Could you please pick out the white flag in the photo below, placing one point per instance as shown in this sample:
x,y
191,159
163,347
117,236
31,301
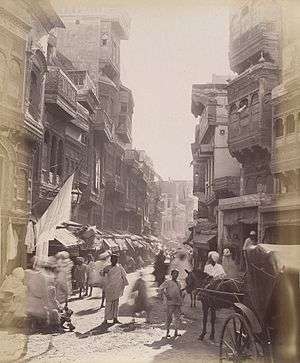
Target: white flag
x,y
58,211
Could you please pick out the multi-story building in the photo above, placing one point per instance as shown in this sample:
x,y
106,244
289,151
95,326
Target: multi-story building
x,y
177,204
68,145
92,41
254,55
280,220
216,173
25,28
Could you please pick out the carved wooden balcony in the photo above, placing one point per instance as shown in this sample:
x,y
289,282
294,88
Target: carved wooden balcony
x,y
87,92
103,125
227,186
250,111
60,93
123,129
263,37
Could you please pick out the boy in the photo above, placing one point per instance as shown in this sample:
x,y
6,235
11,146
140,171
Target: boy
x,y
172,290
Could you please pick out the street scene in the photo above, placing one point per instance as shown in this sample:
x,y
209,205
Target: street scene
x,y
149,181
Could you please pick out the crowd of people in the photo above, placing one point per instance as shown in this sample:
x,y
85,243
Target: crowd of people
x,y
40,294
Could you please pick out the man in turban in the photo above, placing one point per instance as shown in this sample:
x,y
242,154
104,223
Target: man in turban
x,y
213,268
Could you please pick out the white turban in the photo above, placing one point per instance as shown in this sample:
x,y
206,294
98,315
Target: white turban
x,y
214,256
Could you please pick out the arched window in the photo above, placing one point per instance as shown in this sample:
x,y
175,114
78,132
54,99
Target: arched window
x,y
34,97
278,127
243,103
53,155
254,98
15,81
290,124
232,109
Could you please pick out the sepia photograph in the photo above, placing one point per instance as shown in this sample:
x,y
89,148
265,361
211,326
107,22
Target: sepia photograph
x,y
150,181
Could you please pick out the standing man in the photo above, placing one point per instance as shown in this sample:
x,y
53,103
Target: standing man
x,y
172,291
115,281
251,241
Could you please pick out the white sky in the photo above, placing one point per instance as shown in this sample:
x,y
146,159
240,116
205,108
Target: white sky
x,y
169,49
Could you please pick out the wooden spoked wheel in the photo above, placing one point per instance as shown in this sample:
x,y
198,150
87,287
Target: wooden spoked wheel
x,y
237,342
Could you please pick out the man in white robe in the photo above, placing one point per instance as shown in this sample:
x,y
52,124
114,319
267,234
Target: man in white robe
x,y
114,284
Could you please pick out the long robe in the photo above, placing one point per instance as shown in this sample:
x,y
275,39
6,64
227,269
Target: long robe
x,y
114,284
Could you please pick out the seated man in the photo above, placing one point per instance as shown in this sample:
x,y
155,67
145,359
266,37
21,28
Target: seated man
x,y
213,268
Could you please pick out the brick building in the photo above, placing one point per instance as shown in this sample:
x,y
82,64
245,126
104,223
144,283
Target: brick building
x,y
25,26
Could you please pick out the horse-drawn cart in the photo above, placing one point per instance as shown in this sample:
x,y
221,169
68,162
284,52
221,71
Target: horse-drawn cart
x,y
266,327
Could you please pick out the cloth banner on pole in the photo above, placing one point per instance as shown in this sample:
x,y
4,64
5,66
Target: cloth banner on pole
x,y
12,242
58,211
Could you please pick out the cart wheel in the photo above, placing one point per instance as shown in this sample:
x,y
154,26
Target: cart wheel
x,y
237,342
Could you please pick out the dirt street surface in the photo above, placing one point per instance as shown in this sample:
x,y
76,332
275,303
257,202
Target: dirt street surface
x,y
139,342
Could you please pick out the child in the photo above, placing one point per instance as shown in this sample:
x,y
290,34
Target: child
x,y
141,301
173,292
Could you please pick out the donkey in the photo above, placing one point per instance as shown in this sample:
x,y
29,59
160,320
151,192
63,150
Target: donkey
x,y
227,292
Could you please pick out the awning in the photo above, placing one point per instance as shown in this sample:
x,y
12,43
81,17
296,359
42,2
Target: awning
x,y
66,238
202,240
111,244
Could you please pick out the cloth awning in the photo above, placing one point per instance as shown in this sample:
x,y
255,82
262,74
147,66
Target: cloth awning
x,y
202,240
66,238
111,244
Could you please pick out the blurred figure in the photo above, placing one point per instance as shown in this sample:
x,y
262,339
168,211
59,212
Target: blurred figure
x,y
160,268
115,281
80,275
63,276
182,264
100,264
14,290
141,302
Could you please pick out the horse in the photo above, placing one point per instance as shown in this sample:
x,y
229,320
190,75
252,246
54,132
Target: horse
x,y
222,294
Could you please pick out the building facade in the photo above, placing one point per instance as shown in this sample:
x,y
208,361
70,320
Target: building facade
x,y
280,219
255,56
216,173
25,28
176,205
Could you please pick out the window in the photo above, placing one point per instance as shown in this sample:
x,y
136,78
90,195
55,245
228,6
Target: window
x,y
77,22
243,103
278,127
45,156
53,155
254,98
290,124
232,109
34,97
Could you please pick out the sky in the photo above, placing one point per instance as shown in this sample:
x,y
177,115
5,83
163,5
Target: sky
x,y
170,48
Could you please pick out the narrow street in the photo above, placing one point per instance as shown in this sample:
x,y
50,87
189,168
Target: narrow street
x,y
140,342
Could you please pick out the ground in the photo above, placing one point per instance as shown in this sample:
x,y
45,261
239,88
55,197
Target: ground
x,y
139,342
